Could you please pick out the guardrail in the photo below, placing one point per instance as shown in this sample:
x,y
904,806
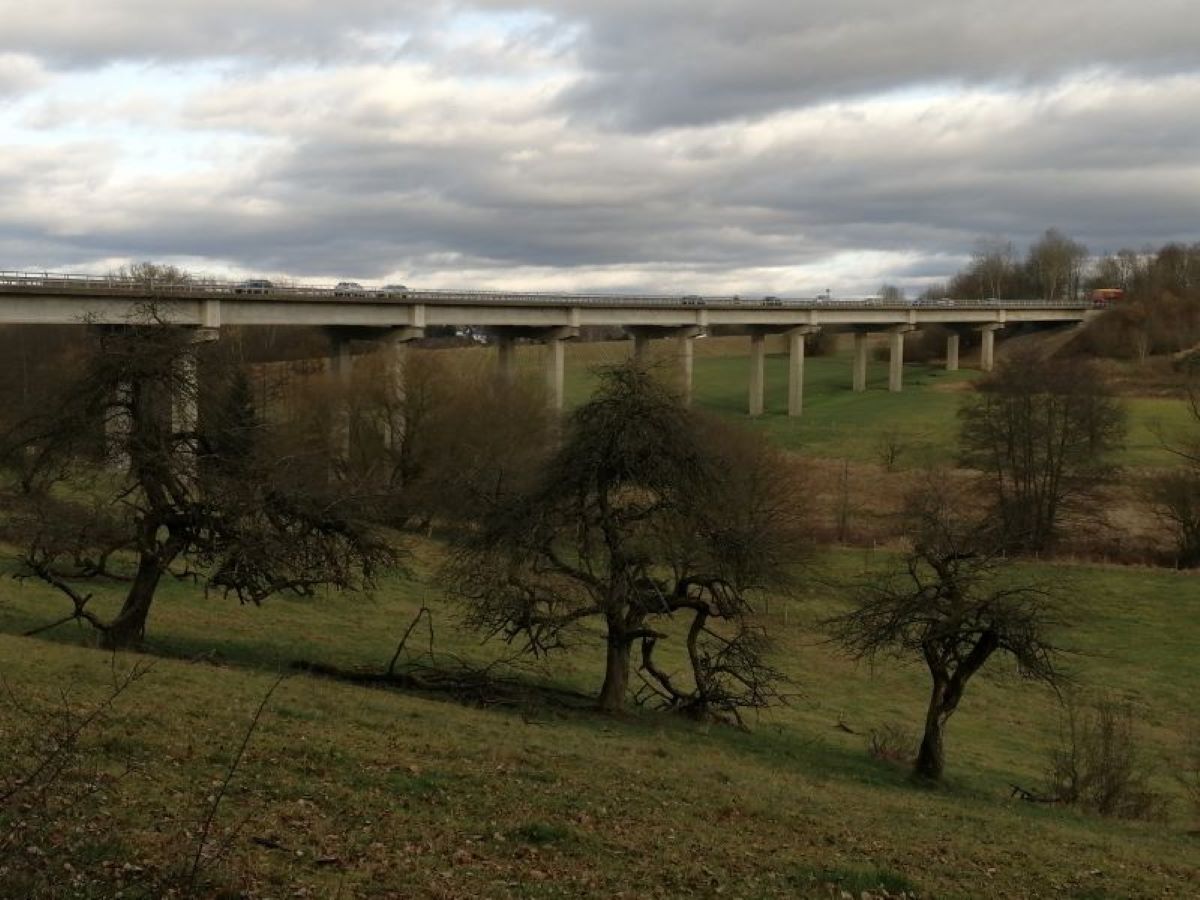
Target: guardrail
x,y
52,282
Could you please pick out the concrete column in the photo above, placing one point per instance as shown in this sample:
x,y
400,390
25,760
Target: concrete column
x,y
796,369
987,347
758,358
641,347
118,424
895,361
952,352
860,361
185,398
341,368
396,367
687,353
555,368
506,359
185,415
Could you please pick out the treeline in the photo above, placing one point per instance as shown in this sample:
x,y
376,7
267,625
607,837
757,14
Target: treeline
x,y
1160,313
1160,310
1053,268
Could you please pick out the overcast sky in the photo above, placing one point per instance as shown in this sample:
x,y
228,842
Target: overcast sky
x,y
758,146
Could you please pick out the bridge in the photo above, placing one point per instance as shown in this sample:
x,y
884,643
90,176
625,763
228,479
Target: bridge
x,y
391,317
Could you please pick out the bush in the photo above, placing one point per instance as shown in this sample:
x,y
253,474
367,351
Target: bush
x,y
823,343
1139,328
1175,497
892,742
1099,766
927,345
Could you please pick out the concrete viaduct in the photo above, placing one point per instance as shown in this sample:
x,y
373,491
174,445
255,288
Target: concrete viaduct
x,y
392,318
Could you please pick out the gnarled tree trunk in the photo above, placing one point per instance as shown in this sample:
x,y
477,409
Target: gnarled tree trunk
x,y
129,627
931,758
616,672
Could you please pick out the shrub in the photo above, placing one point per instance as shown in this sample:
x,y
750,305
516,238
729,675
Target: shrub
x,y
1099,765
1175,497
892,742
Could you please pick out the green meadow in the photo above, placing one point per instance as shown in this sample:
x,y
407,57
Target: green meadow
x,y
372,792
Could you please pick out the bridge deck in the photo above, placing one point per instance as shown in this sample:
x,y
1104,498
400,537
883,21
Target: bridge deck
x,y
32,298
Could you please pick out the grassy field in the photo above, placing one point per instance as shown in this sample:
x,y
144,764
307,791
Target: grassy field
x,y
838,423
349,791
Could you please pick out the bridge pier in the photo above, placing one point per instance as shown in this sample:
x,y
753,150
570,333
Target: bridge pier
x,y
641,347
118,425
395,346
556,358
896,357
506,358
341,372
952,352
685,335
758,359
687,354
185,395
796,367
860,361
393,343
987,346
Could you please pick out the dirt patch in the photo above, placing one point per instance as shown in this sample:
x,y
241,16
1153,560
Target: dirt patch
x,y
952,387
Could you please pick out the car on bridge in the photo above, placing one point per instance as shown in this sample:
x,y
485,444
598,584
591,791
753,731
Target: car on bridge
x,y
392,292
349,289
254,286
772,300
693,300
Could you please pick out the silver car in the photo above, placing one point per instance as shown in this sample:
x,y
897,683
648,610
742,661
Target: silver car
x,y
349,289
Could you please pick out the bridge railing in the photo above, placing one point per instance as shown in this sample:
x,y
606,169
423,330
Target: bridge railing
x,y
50,282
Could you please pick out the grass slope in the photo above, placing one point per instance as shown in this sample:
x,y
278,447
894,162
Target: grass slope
x,y
370,793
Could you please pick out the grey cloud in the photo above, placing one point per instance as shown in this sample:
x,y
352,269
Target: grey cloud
x,y
19,74
86,33
688,62
349,198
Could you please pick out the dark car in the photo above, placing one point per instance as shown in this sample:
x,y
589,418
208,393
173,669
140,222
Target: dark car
x,y
392,292
772,300
254,286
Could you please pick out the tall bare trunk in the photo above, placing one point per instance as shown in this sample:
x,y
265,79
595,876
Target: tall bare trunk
x,y
931,758
129,627
616,673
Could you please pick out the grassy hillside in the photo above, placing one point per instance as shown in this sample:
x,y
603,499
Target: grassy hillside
x,y
358,792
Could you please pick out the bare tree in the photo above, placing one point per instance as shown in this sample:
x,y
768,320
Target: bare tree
x,y
993,263
152,275
1042,431
954,602
644,513
453,437
166,495
1056,265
